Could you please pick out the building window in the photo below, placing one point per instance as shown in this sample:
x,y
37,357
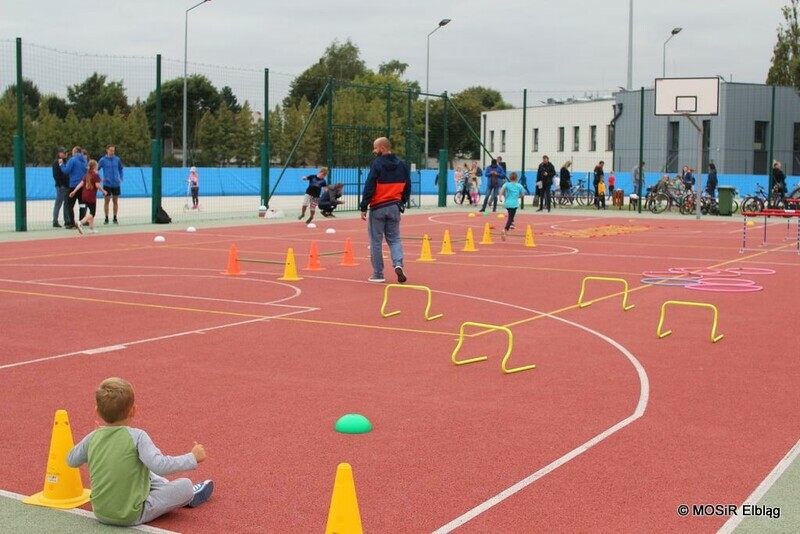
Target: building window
x,y
760,136
673,146
576,139
593,138
491,140
536,140
502,140
561,139
610,138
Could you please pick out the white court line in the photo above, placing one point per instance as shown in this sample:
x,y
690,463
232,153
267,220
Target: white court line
x,y
87,514
49,282
762,488
149,340
102,350
644,394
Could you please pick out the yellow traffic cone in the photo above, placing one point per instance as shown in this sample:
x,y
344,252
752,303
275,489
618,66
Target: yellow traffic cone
x,y
62,484
469,245
425,255
529,237
343,516
487,235
290,269
447,247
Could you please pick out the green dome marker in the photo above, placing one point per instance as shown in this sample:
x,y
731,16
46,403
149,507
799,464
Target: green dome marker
x,y
353,423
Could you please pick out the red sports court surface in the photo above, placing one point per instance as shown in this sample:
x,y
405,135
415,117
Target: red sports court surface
x,y
611,432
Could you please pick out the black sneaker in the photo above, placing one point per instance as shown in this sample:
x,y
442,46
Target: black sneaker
x,y
105,221
401,276
56,225
116,221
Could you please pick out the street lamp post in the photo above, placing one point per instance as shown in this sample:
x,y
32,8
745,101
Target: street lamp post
x,y
675,31
185,88
442,22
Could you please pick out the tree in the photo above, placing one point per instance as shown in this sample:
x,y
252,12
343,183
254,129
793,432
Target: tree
x,y
394,68
201,97
56,105
31,97
230,99
470,102
244,137
135,146
45,137
340,61
94,96
785,68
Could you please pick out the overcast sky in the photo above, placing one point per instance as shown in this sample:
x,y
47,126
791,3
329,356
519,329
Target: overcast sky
x,y
552,48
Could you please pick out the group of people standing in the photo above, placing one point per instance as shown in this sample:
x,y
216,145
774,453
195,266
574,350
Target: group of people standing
x,y
81,174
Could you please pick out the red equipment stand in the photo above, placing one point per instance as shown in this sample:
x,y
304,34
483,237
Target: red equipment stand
x,y
767,214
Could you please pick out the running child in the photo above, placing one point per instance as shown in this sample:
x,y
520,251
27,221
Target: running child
x,y
126,468
316,183
513,192
88,188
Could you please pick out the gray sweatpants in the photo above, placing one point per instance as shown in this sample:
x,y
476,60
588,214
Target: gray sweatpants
x,y
165,496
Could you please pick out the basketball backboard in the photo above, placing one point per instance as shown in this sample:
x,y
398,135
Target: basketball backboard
x,y
687,96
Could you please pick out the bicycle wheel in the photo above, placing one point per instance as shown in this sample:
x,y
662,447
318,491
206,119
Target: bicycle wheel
x,y
735,207
586,197
458,198
687,205
752,204
660,203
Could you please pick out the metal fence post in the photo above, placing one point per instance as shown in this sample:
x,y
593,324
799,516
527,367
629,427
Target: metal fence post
x,y
264,149
20,194
155,203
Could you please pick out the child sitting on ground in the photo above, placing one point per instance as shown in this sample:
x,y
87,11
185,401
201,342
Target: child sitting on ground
x,y
124,465
330,199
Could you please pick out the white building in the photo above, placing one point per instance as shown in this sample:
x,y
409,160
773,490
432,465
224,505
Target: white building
x,y
577,130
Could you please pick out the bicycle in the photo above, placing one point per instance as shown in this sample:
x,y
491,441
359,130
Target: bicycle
x,y
458,197
661,201
577,193
759,200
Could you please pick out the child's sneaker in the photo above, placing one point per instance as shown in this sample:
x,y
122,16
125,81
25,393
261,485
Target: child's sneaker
x,y
79,227
94,230
202,492
376,278
105,221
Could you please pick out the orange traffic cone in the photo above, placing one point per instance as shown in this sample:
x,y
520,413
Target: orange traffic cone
x,y
313,259
233,262
349,255
62,484
343,516
290,268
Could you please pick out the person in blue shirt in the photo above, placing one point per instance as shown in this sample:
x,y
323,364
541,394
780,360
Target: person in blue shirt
x,y
497,177
76,168
513,192
111,169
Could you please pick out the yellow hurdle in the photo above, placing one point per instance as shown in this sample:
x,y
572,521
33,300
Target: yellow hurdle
x,y
487,235
469,244
503,364
427,290
714,336
425,255
447,247
582,304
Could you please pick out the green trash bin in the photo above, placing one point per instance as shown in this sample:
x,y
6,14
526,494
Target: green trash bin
x,y
726,193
